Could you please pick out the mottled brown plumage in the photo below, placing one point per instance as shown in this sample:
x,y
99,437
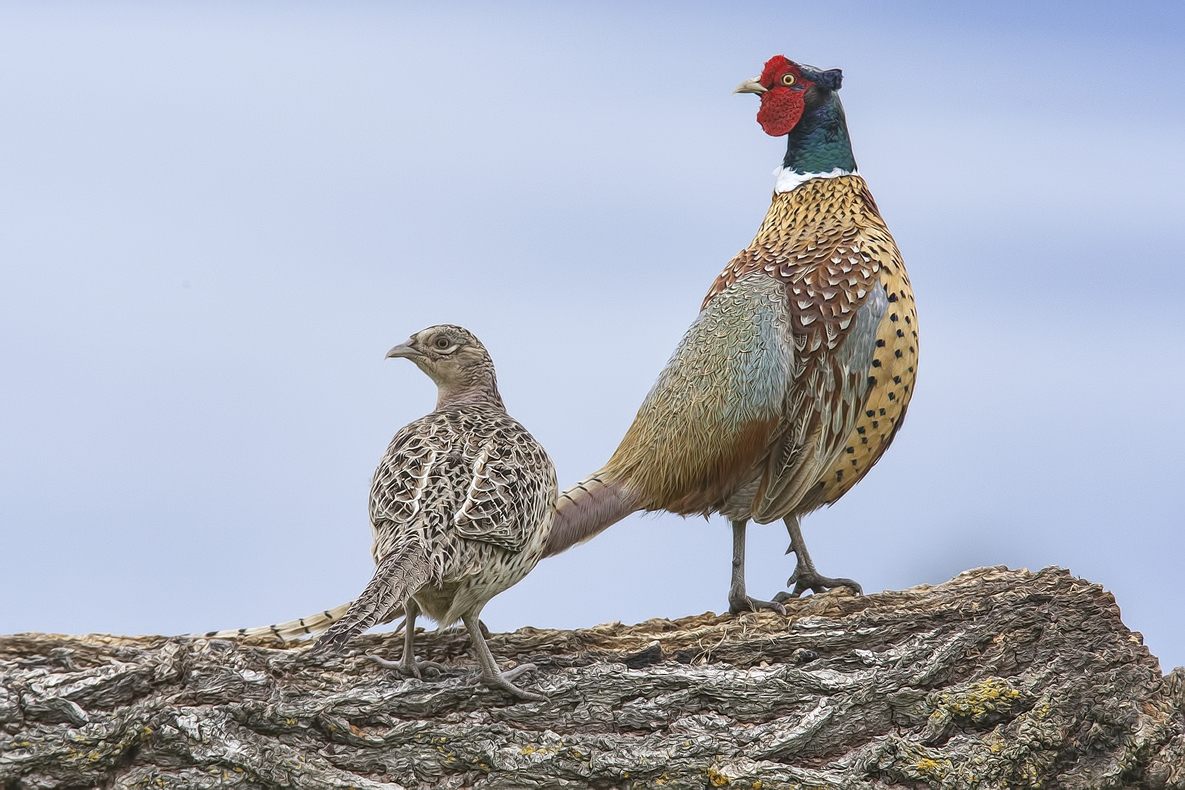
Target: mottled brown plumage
x,y
795,376
460,506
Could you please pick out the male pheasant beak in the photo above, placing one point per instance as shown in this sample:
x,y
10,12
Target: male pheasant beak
x,y
751,86
404,350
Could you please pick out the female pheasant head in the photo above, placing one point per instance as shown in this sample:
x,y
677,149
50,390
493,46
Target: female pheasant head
x,y
457,362
802,103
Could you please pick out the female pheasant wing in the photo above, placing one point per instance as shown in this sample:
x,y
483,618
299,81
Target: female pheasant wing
x,y
511,489
410,484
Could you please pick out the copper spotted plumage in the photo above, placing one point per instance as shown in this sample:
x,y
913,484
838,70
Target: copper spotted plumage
x,y
460,506
795,376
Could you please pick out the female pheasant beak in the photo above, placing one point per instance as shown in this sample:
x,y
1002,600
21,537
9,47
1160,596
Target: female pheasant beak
x,y
750,86
405,350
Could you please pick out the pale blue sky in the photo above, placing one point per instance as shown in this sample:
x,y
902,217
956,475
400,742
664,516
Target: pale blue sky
x,y
215,219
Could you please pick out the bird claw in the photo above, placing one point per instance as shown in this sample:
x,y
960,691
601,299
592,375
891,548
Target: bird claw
x,y
502,681
742,604
802,580
413,668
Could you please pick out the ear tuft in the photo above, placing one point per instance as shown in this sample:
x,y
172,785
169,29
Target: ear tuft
x,y
831,79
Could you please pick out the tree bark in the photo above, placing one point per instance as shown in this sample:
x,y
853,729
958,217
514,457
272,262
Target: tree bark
x,y
997,678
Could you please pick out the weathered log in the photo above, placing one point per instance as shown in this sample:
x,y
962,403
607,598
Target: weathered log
x,y
997,678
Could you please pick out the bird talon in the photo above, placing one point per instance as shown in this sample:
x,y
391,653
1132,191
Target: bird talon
x,y
501,682
412,668
521,669
811,580
746,604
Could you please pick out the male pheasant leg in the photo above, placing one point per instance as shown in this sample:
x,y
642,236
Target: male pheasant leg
x,y
407,665
738,601
490,673
805,577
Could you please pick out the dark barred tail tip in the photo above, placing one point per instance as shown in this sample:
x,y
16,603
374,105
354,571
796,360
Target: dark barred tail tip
x,y
240,632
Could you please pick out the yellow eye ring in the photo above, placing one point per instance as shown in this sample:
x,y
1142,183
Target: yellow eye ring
x,y
788,79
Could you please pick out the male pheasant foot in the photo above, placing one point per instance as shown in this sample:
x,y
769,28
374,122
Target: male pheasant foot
x,y
738,601
805,577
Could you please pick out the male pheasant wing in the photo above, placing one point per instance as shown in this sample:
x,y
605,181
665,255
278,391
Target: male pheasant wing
x,y
837,303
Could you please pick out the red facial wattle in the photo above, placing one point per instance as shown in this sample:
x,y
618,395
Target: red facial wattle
x,y
780,110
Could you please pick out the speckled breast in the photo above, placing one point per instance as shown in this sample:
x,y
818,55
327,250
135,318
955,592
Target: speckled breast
x,y
826,241
891,379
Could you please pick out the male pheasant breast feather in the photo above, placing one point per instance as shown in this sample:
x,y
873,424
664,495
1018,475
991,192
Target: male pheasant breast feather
x,y
826,242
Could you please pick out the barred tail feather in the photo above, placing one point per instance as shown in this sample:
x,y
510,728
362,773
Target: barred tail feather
x,y
299,628
586,509
402,573
293,629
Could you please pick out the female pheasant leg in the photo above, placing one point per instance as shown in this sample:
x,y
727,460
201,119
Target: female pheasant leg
x,y
805,577
490,673
407,664
738,601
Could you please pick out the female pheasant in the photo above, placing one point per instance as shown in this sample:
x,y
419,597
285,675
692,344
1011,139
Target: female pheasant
x,y
795,376
460,506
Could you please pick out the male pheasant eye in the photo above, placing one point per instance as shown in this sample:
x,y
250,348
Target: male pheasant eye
x,y
788,79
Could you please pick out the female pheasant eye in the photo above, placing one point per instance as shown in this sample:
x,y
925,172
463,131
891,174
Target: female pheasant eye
x,y
788,79
441,342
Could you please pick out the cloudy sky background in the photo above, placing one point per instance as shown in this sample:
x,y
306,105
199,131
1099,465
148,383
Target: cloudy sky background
x,y
215,219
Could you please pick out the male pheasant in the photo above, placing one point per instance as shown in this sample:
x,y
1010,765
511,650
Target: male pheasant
x,y
795,376
460,506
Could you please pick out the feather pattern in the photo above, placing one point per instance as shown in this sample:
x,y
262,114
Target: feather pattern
x,y
292,629
403,571
473,488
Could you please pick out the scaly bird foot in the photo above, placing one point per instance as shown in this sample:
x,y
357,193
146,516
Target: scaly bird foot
x,y
804,579
738,604
413,668
502,681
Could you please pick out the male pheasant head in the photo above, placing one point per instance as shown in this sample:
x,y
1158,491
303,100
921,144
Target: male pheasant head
x,y
802,103
456,361
786,88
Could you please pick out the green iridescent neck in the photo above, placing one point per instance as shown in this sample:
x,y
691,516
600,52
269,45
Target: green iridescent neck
x,y
819,143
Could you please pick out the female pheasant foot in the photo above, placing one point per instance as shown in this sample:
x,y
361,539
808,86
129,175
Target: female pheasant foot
x,y
412,668
805,577
738,601
408,666
490,674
